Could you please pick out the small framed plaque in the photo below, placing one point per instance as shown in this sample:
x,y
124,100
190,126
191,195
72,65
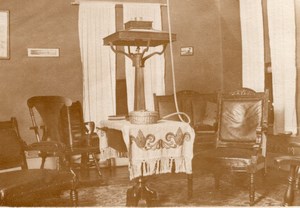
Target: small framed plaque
x,y
187,51
43,52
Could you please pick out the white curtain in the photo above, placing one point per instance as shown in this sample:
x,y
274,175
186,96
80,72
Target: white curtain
x,y
96,21
252,44
282,34
154,71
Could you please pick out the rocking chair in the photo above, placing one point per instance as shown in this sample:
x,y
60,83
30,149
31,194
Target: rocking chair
x,y
64,127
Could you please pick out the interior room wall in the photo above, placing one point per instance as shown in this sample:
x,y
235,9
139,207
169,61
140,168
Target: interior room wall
x,y
231,44
211,27
53,24
196,24
39,24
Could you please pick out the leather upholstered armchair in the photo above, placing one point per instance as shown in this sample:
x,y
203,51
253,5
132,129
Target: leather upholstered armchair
x,y
240,143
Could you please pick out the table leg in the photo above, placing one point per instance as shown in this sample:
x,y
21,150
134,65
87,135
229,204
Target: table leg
x,y
140,192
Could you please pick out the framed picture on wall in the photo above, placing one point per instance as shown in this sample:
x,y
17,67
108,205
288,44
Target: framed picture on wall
x,y
43,52
187,51
4,34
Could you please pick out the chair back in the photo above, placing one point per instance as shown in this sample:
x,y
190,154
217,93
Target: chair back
x,y
78,128
165,104
243,115
11,146
49,109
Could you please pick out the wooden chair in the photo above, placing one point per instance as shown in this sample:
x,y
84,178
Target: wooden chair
x,y
84,138
166,107
20,185
63,126
242,122
200,108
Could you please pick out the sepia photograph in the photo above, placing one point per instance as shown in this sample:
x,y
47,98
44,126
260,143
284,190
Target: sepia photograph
x,y
43,52
186,51
4,34
149,103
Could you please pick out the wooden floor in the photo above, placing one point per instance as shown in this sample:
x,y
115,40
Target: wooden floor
x,y
276,146
110,176
120,175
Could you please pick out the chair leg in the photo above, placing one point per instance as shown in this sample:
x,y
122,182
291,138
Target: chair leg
x,y
43,162
289,194
252,189
43,155
217,176
74,197
97,164
190,185
265,169
297,178
74,192
111,165
63,163
84,161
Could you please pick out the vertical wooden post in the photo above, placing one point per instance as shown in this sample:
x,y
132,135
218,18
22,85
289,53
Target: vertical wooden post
x,y
139,94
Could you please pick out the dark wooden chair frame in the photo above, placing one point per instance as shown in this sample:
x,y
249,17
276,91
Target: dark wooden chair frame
x,y
252,163
19,186
63,138
293,162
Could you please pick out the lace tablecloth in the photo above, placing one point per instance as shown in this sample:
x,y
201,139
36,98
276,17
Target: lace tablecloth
x,y
153,148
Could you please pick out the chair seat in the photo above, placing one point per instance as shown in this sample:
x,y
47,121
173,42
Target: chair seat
x,y
46,146
232,157
82,150
288,160
15,185
204,128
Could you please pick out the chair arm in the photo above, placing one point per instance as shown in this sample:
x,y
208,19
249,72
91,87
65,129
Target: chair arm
x,y
36,132
35,128
256,149
259,133
264,127
287,160
294,144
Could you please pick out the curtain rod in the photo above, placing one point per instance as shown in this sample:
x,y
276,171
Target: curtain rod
x,y
77,2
